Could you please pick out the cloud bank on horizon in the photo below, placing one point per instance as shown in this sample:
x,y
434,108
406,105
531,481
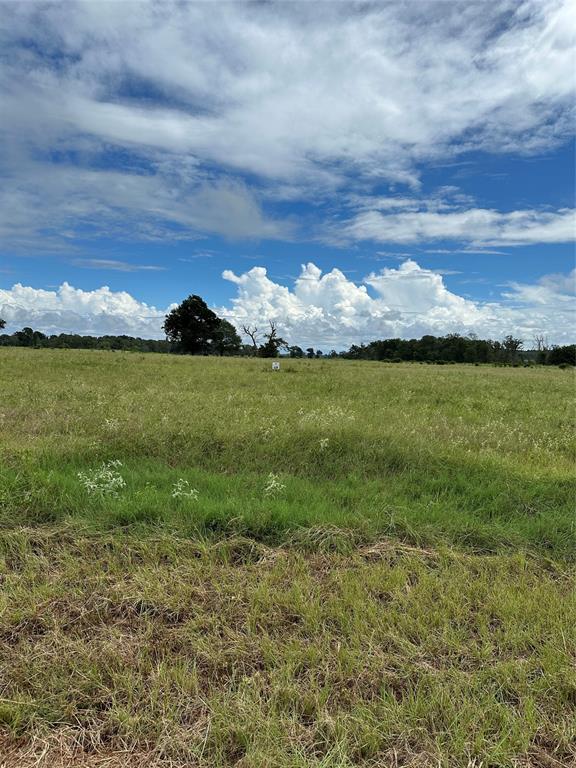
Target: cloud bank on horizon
x,y
130,126
327,310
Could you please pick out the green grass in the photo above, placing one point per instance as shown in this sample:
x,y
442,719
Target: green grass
x,y
477,456
407,598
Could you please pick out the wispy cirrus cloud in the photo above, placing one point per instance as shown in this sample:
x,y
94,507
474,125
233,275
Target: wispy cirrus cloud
x,y
116,266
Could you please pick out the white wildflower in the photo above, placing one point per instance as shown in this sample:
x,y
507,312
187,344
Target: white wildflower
x,y
332,415
273,485
266,433
105,480
181,490
111,425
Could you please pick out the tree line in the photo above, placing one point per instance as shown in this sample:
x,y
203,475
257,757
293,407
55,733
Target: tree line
x,y
454,348
193,328
28,337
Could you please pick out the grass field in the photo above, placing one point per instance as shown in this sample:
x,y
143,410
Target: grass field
x,y
207,563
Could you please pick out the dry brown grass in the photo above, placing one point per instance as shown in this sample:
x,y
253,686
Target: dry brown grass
x,y
120,652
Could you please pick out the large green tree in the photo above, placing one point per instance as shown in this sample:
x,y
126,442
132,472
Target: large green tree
x,y
226,340
196,330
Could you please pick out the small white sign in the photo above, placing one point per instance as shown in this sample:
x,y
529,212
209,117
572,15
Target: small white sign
x,y
275,366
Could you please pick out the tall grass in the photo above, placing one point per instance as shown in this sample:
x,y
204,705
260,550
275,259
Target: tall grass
x,y
480,457
207,564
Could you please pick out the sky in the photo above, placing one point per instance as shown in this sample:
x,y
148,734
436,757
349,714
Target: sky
x,y
351,171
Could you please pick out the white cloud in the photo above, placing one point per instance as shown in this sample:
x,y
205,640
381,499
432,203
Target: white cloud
x,y
326,310
364,83
332,311
476,226
116,266
185,99
51,205
72,310
553,291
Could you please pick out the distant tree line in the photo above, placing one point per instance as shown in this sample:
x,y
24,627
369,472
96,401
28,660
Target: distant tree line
x,y
28,337
454,348
193,328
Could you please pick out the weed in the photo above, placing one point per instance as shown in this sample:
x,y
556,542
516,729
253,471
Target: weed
x,y
182,490
273,485
104,480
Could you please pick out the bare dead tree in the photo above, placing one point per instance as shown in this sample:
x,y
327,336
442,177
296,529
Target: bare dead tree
x,y
273,330
541,342
273,342
542,347
273,337
252,334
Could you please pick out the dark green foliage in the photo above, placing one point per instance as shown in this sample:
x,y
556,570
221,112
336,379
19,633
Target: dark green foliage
x,y
459,349
27,337
207,334
76,341
562,355
511,347
192,326
273,343
441,350
195,329
226,340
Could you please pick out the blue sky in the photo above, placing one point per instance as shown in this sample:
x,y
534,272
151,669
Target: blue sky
x,y
351,171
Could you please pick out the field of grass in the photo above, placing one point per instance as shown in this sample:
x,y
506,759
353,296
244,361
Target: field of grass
x,y
338,564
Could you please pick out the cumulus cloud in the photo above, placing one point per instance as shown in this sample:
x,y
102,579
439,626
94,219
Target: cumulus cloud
x,y
323,310
72,310
330,310
147,119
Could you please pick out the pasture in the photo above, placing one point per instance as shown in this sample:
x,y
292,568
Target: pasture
x,y
208,563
